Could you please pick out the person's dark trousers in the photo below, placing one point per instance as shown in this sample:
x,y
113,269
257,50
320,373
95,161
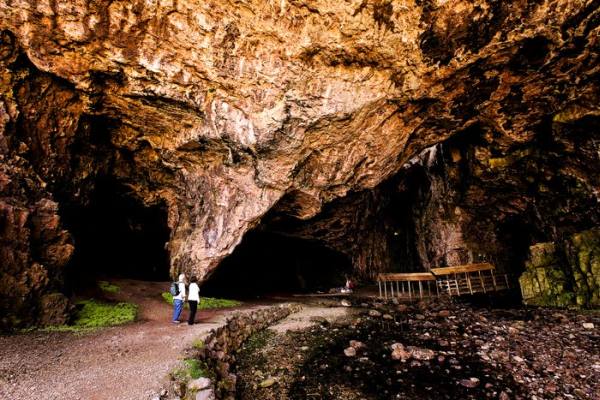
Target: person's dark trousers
x,y
193,307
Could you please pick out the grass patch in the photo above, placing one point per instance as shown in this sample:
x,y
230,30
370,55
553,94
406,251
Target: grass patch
x,y
192,369
198,344
92,315
205,302
211,302
108,287
168,298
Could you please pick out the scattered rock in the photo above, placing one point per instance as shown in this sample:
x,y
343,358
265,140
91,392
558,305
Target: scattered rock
x,y
350,352
470,383
374,313
356,344
267,383
420,353
199,384
402,308
346,303
444,313
399,352
588,325
206,394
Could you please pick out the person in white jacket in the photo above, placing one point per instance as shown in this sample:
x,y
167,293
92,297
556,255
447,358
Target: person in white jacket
x,y
193,299
178,300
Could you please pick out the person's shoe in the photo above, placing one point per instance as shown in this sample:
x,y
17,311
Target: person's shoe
x,y
176,322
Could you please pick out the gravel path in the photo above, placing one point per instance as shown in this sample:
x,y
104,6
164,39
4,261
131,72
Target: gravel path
x,y
125,362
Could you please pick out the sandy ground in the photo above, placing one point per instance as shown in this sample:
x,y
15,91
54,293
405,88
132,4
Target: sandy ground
x,y
125,362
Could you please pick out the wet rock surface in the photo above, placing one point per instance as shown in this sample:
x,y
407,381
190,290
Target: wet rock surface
x,y
456,352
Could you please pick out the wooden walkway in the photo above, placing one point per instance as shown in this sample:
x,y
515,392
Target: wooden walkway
x,y
453,281
415,284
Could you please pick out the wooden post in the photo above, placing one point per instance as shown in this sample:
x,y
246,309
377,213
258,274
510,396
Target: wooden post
x,y
409,291
482,282
420,290
392,288
437,289
506,278
494,280
469,282
397,289
385,288
457,286
379,284
402,285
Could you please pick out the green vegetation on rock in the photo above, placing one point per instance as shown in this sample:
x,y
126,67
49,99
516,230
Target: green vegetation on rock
x,y
551,279
92,314
583,251
108,287
191,369
212,302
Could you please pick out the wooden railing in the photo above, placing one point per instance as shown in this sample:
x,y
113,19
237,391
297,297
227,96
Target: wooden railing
x,y
470,279
406,284
454,281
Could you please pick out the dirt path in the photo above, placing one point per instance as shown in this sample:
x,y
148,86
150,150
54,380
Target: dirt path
x,y
124,362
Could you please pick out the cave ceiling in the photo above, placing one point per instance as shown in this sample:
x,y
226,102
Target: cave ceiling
x,y
224,111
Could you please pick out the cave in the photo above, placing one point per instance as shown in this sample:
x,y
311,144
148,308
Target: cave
x,y
116,236
268,264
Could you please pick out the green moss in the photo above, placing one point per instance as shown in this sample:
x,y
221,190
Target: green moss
x,y
211,302
92,315
198,344
553,280
108,287
167,297
583,251
205,302
503,162
192,369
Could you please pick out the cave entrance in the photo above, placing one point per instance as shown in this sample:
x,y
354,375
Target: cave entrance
x,y
267,263
117,236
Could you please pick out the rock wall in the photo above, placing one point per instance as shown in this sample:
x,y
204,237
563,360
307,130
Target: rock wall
x,y
222,110
219,350
565,273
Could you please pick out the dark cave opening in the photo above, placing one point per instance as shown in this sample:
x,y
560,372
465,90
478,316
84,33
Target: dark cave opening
x,y
267,263
116,236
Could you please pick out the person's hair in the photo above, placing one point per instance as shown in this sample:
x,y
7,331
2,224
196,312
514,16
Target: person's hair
x,y
193,279
181,277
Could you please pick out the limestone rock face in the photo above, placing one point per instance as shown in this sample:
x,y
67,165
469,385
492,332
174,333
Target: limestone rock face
x,y
224,111
547,282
